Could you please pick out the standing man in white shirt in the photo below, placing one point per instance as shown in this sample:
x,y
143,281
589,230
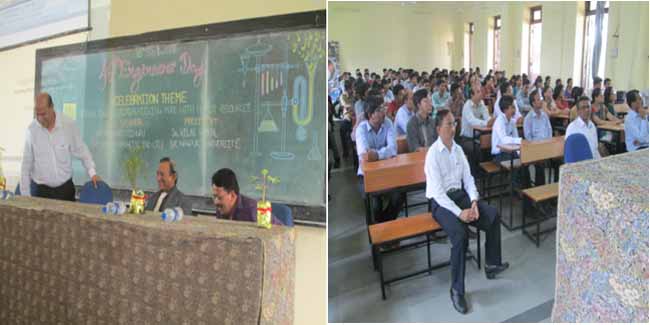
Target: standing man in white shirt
x,y
454,204
504,131
50,142
583,125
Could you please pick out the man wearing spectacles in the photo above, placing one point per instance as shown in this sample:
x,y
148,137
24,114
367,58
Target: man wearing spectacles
x,y
376,140
454,204
168,195
584,126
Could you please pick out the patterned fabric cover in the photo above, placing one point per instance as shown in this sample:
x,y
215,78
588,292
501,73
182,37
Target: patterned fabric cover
x,y
65,263
602,246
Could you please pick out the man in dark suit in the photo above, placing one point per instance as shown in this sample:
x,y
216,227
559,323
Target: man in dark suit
x,y
168,195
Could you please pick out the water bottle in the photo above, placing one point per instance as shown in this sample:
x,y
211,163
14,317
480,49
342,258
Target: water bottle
x,y
172,215
116,208
6,195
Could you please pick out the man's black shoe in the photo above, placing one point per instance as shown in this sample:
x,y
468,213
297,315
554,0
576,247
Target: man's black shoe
x,y
458,301
492,270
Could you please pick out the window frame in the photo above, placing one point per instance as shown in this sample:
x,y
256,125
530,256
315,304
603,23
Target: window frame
x,y
533,21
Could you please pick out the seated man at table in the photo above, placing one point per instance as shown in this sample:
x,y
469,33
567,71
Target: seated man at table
x,y
504,132
636,123
506,89
522,97
420,130
230,204
454,204
584,126
404,114
474,114
168,195
441,96
537,126
376,140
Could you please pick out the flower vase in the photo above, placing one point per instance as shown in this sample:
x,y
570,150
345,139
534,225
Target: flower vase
x,y
137,202
264,214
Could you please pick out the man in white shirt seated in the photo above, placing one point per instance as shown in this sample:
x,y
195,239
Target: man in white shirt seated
x,y
506,89
584,126
404,114
505,132
454,204
474,114
50,142
537,126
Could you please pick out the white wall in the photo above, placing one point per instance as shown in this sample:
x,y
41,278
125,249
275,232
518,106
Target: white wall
x,y
392,35
377,35
17,87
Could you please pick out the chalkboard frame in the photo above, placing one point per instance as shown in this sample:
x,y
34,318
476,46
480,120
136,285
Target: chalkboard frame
x,y
306,215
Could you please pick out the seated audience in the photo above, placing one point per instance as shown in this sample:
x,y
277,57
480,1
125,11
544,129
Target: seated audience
x,y
636,123
583,125
421,131
376,140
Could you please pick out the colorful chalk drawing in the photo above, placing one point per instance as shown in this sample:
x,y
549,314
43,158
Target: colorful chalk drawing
x,y
314,152
268,78
310,46
299,104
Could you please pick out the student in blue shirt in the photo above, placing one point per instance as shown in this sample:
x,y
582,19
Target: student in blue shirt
x,y
376,140
636,123
537,126
404,114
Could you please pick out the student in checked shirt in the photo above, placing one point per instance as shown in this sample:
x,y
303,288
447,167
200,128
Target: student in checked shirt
x,y
454,204
376,140
50,142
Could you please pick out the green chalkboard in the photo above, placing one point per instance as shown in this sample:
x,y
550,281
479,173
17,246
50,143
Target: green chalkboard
x,y
243,100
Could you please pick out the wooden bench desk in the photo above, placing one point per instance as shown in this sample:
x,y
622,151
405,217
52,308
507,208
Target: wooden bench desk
x,y
618,129
530,152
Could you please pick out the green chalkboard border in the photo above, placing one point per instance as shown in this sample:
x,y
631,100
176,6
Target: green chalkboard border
x,y
305,215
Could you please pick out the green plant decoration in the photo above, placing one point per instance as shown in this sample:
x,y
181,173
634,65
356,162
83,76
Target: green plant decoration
x,y
265,181
133,165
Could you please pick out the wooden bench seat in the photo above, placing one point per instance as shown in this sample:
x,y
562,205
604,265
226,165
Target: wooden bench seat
x,y
490,167
538,195
542,193
515,164
422,224
403,228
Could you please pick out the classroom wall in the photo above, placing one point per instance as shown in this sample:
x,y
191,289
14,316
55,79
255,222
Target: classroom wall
x,y
17,87
135,17
356,24
629,68
378,35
